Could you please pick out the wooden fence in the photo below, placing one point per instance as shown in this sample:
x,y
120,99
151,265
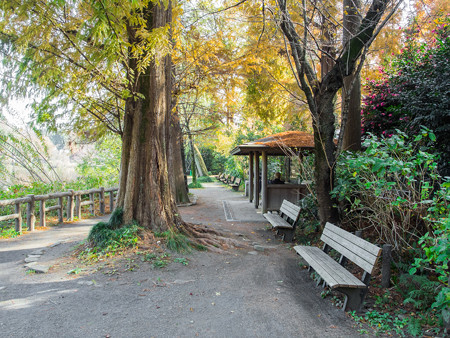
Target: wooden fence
x,y
74,202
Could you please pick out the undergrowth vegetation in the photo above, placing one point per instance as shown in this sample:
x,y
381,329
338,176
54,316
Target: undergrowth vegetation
x,y
112,237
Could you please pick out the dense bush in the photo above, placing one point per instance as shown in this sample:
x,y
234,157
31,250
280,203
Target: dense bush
x,y
389,187
394,189
414,91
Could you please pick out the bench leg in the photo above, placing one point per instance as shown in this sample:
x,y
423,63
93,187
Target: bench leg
x,y
288,234
354,298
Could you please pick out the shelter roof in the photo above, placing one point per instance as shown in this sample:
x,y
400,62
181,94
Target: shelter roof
x,y
278,144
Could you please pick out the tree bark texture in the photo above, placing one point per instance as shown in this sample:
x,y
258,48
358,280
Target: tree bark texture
x,y
192,154
176,175
352,103
145,193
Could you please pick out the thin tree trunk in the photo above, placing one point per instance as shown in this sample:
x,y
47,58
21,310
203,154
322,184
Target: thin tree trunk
x,y
324,166
176,162
351,100
201,166
192,151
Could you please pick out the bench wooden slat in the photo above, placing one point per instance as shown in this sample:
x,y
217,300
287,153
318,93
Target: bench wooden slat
x,y
334,274
277,221
237,182
342,244
290,209
364,259
355,249
372,248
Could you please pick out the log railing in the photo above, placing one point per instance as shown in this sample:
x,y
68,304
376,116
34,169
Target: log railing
x,y
74,203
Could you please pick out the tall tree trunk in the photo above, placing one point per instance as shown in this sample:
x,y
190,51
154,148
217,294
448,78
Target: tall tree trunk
x,y
324,158
176,171
144,191
352,102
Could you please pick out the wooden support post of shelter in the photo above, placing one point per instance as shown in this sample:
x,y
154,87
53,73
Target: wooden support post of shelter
x,y
264,181
280,144
256,180
250,176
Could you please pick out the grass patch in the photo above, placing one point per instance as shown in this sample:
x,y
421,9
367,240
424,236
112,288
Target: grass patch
x,y
195,186
176,241
109,238
9,232
204,179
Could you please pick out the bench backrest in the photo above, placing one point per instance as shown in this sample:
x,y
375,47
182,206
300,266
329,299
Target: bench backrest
x,y
358,250
231,180
290,210
237,181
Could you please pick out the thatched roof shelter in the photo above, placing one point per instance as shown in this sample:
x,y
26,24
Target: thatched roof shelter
x,y
281,144
276,144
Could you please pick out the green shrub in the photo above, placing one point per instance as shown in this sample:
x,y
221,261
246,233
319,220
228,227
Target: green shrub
x,y
110,236
175,241
204,179
193,185
418,291
389,186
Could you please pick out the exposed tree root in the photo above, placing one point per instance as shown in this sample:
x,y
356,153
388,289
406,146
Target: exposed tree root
x,y
212,239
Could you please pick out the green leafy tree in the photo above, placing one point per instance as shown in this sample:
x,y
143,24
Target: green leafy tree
x,y
414,91
109,62
320,91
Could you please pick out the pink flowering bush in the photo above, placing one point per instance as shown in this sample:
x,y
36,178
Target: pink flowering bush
x,y
414,92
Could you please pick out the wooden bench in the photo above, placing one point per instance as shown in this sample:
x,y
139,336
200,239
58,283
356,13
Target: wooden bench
x,y
235,185
224,178
333,273
285,221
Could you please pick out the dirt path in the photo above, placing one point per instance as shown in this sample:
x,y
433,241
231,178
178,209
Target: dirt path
x,y
245,293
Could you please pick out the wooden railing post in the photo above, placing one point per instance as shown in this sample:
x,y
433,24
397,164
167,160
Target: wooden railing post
x,y
18,220
102,200
31,218
60,210
111,201
92,206
78,206
42,221
70,205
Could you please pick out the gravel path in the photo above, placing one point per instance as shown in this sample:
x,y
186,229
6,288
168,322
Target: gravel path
x,y
243,293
